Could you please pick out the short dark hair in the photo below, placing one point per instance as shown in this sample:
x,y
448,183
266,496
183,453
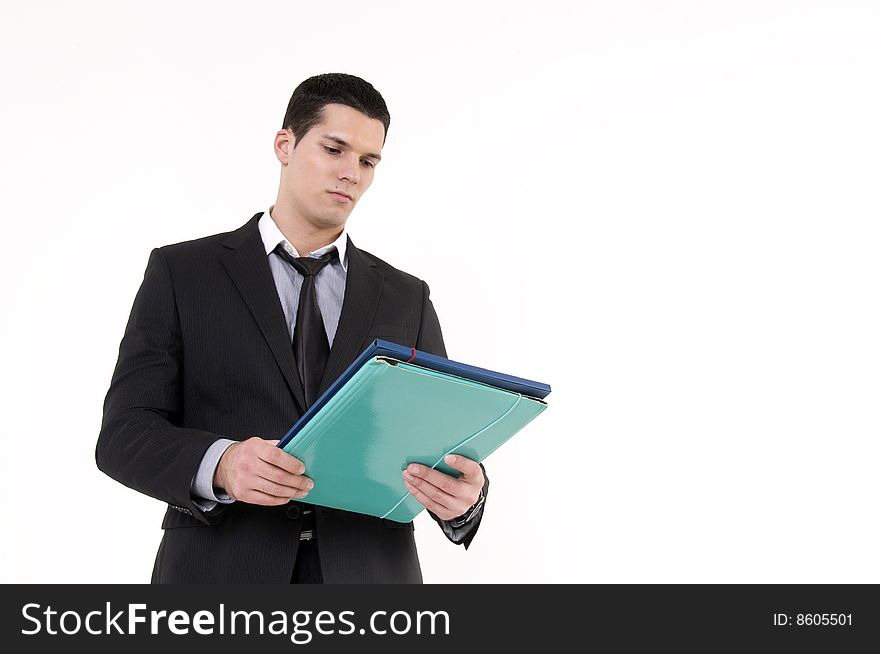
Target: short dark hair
x,y
307,103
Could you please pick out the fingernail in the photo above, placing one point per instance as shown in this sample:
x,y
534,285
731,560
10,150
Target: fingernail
x,y
302,469
310,483
449,458
413,470
406,475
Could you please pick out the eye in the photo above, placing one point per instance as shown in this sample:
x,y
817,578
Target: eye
x,y
331,150
368,163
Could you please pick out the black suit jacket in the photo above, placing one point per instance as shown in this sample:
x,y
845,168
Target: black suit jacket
x,y
206,354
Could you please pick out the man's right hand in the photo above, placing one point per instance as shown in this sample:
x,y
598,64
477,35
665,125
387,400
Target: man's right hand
x,y
257,472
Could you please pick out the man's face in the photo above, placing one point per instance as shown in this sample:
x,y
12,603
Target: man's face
x,y
335,158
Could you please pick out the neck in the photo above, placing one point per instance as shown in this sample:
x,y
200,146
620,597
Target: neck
x,y
302,235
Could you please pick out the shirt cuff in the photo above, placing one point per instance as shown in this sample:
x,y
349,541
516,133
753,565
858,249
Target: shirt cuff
x,y
202,488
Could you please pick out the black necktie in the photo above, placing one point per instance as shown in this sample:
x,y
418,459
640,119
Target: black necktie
x,y
310,346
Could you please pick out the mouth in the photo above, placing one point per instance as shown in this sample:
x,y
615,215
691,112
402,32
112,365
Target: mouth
x,y
341,197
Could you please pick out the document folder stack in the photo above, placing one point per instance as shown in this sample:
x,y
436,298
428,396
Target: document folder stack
x,y
395,406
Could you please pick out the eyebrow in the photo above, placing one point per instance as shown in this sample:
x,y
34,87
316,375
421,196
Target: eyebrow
x,y
346,144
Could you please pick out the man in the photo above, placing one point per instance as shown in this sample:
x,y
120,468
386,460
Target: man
x,y
233,336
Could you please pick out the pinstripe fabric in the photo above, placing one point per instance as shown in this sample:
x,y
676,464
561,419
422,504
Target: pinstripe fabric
x,y
206,354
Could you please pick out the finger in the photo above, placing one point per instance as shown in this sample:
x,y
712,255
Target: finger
x,y
468,467
441,511
282,459
252,496
279,490
447,483
283,477
437,495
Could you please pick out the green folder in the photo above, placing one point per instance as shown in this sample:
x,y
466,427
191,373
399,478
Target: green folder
x,y
390,413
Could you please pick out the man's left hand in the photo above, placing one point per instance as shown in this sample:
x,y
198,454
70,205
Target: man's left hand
x,y
444,495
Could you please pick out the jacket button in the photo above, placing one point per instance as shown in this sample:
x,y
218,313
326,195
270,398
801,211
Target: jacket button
x,y
293,512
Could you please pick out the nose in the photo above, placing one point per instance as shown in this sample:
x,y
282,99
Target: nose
x,y
350,172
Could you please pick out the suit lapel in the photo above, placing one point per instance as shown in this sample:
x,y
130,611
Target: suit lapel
x,y
363,287
246,261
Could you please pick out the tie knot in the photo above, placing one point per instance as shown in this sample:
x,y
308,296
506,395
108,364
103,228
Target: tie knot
x,y
306,266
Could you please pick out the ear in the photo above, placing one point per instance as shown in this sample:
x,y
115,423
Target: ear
x,y
284,145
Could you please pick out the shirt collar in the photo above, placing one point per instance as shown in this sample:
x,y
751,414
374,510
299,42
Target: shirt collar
x,y
272,236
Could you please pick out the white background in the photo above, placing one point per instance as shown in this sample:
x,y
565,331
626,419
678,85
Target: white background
x,y
667,211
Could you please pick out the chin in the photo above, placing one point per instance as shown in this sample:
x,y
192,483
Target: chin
x,y
336,221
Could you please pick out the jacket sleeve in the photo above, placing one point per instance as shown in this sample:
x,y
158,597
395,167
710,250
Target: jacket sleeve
x,y
431,340
141,444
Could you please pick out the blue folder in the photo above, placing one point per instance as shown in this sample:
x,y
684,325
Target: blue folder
x,y
394,406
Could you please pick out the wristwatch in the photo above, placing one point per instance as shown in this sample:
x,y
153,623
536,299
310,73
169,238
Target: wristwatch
x,y
471,512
